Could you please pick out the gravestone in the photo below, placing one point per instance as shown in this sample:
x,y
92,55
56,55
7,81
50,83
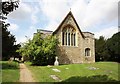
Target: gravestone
x,y
92,68
55,77
56,70
56,63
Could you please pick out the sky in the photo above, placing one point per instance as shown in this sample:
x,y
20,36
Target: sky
x,y
97,16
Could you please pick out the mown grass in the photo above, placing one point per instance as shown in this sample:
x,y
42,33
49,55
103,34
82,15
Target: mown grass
x,y
10,71
106,72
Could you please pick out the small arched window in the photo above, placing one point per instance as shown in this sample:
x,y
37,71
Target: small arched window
x,y
87,52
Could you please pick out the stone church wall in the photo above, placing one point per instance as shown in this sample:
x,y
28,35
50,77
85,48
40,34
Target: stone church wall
x,y
89,43
76,54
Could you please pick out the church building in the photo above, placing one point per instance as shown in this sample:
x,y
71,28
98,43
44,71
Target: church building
x,y
74,45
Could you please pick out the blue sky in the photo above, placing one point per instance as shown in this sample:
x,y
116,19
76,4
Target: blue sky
x,y
97,16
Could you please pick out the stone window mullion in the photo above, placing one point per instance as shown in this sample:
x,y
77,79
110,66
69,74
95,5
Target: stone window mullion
x,y
67,36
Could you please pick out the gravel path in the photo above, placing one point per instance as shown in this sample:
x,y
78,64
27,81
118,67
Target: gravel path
x,y
25,74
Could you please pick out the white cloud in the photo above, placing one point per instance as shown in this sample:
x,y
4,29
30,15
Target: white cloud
x,y
79,10
52,26
30,32
25,11
34,18
86,14
22,12
100,11
107,32
26,35
55,11
13,27
21,40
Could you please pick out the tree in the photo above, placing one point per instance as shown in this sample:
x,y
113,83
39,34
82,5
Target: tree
x,y
113,46
9,6
8,40
108,50
40,51
101,53
49,47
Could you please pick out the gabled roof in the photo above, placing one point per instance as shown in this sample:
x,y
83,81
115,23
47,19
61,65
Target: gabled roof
x,y
70,13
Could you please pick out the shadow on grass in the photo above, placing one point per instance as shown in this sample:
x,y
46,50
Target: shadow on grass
x,y
95,78
11,65
46,64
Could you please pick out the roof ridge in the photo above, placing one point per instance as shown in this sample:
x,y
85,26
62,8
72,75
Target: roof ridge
x,y
44,30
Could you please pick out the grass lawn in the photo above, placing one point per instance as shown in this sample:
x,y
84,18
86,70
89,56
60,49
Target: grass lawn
x,y
105,71
10,71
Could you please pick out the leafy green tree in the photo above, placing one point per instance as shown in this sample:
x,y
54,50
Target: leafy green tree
x,y
49,48
41,51
24,49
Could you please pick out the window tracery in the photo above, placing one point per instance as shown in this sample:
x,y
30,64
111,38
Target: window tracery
x,y
69,36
